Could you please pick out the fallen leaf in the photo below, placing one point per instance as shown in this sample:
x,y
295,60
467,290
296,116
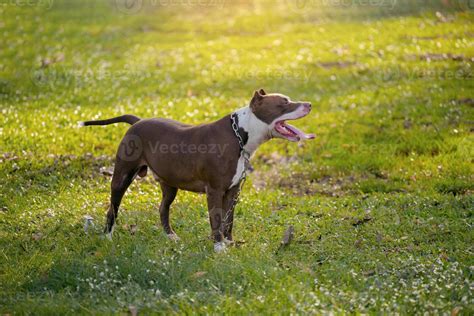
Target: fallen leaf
x,y
443,256
59,58
287,236
455,311
441,17
133,229
362,221
199,274
107,171
133,310
37,236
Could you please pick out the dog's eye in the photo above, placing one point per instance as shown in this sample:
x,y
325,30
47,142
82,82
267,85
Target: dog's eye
x,y
286,101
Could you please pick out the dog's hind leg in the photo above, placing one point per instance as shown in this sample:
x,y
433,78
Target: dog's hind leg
x,y
169,194
124,173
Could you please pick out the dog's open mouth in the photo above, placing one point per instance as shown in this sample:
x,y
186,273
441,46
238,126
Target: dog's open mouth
x,y
290,132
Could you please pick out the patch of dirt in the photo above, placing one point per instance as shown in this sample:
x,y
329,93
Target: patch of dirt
x,y
426,38
310,214
280,176
438,36
336,64
89,157
439,57
276,159
466,101
361,221
260,179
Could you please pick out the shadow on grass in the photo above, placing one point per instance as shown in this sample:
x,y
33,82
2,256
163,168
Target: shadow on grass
x,y
157,273
25,176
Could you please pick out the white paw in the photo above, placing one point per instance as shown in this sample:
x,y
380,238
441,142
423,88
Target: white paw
x,y
173,237
220,247
109,235
228,242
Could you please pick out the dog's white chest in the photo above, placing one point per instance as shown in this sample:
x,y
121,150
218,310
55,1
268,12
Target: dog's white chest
x,y
257,132
238,171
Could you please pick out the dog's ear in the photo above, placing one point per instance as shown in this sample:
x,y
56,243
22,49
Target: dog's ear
x,y
262,92
256,99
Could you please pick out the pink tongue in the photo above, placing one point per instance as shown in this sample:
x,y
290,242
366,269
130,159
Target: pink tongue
x,y
299,133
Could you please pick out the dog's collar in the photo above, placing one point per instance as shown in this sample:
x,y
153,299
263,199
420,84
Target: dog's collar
x,y
235,127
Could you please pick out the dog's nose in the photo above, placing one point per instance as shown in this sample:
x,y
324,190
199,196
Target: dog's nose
x,y
308,105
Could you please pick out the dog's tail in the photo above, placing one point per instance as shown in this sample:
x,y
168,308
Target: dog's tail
x,y
130,119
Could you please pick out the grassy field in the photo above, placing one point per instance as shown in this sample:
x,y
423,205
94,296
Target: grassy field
x,y
381,202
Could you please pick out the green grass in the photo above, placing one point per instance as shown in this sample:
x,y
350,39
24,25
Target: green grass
x,y
381,201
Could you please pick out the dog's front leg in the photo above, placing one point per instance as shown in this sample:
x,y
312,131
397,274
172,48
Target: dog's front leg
x,y
228,205
214,205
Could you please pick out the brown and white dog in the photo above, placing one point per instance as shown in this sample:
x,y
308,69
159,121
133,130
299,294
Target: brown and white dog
x,y
206,158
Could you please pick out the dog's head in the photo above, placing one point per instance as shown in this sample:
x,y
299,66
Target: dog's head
x,y
275,109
